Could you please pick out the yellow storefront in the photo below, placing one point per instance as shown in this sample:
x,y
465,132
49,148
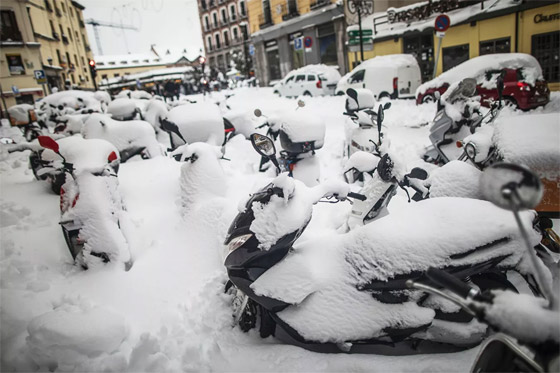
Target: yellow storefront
x,y
526,28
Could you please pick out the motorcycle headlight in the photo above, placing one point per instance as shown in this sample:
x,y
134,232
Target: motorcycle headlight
x,y
471,150
237,242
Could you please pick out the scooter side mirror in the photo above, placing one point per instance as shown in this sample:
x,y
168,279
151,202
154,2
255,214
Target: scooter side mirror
x,y
301,103
258,113
511,187
468,87
171,127
48,143
418,173
387,105
263,145
437,95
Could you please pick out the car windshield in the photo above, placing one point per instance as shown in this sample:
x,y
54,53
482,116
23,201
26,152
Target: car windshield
x,y
322,78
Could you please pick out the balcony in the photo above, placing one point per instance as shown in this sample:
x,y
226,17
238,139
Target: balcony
x,y
55,35
57,11
82,25
265,20
289,10
318,4
48,6
65,39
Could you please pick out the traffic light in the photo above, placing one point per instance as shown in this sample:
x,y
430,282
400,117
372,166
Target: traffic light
x,y
92,69
202,62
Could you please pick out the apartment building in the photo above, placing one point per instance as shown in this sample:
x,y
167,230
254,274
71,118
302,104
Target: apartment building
x,y
225,31
276,24
47,35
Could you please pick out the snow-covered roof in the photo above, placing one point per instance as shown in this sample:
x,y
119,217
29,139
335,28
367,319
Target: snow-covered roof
x,y
456,16
395,60
162,56
475,68
151,75
329,72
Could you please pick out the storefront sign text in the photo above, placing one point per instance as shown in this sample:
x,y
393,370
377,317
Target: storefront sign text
x,y
546,18
422,12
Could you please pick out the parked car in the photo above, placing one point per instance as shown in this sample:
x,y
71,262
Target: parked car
x,y
310,80
524,85
392,76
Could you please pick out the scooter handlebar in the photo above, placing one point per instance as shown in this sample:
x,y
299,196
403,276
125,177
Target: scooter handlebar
x,y
452,283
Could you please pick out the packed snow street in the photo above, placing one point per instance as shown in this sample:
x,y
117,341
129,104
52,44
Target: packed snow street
x,y
163,307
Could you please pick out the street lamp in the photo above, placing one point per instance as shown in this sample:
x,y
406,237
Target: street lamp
x,y
364,7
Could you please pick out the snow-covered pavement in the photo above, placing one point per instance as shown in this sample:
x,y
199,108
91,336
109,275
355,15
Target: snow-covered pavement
x,y
169,312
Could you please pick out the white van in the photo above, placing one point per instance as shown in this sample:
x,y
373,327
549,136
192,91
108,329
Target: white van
x,y
392,76
310,80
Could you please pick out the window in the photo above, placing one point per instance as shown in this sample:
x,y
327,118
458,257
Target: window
x,y
244,32
25,99
10,30
59,58
206,23
311,78
72,13
48,6
495,46
235,33
15,64
116,75
83,61
357,77
226,38
327,44
77,36
224,15
300,78
218,44
203,4
209,43
63,7
104,76
453,56
290,79
546,49
242,8
421,47
215,19
76,59
232,12
69,34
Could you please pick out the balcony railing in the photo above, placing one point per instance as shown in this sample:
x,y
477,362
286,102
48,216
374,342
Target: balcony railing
x,y
289,10
318,4
55,35
265,20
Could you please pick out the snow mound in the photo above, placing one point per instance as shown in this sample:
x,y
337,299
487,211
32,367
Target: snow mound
x,y
243,121
455,179
84,154
155,112
532,140
121,108
123,134
20,112
73,333
476,67
72,99
302,126
200,122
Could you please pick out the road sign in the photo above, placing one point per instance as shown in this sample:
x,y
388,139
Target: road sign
x,y
356,33
356,41
298,43
442,23
308,42
40,76
251,49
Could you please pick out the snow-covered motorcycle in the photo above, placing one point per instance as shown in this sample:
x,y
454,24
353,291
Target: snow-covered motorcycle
x,y
90,204
347,292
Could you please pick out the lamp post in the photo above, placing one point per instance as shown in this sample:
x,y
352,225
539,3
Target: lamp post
x,y
364,7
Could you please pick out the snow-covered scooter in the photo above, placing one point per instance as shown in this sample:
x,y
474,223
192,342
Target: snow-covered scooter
x,y
90,204
527,328
348,293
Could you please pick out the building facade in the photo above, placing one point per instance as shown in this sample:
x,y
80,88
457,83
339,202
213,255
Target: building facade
x,y
477,28
47,35
275,26
225,32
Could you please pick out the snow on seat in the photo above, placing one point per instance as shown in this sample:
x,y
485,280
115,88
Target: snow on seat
x,y
199,122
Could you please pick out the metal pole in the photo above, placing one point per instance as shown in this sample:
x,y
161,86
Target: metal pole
x,y
4,102
360,27
440,37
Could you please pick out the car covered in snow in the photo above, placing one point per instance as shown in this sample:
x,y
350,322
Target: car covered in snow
x,y
310,80
524,86
391,76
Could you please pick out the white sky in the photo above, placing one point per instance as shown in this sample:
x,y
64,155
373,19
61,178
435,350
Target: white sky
x,y
166,23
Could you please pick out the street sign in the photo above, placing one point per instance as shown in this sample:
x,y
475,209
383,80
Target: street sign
x,y
308,42
40,76
15,89
298,43
442,23
251,49
356,33
356,41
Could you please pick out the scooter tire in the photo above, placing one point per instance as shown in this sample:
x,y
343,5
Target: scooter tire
x,y
267,324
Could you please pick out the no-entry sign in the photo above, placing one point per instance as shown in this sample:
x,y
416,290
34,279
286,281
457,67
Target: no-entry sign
x,y
442,23
308,42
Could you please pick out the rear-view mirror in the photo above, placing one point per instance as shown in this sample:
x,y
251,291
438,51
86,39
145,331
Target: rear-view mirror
x,y
48,143
171,127
263,145
301,103
468,87
258,113
511,186
437,95
418,173
387,105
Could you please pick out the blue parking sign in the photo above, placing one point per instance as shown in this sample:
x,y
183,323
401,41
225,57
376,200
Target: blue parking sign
x,y
298,43
251,49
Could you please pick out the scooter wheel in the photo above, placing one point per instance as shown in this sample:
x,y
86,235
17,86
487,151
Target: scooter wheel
x,y
267,323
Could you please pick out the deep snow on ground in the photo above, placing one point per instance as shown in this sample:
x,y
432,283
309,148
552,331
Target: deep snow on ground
x,y
169,312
